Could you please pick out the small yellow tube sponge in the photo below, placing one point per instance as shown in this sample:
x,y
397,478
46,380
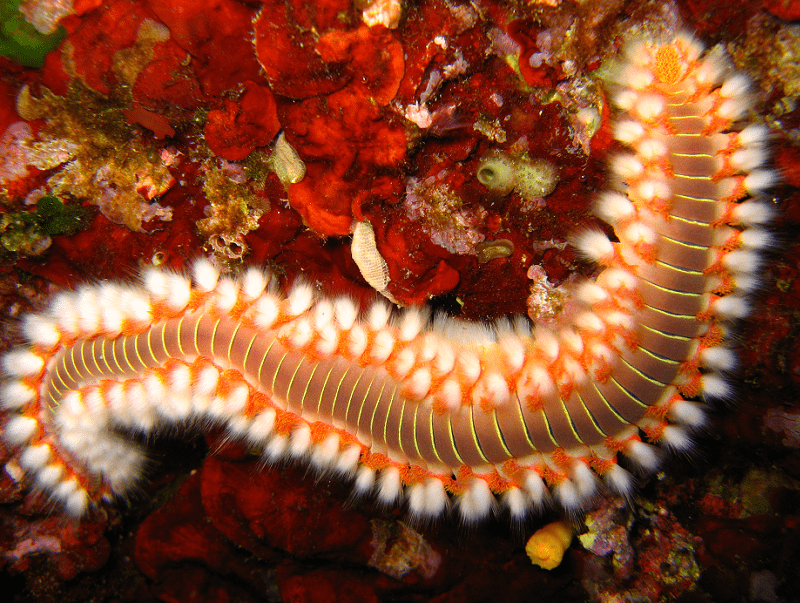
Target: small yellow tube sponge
x,y
547,546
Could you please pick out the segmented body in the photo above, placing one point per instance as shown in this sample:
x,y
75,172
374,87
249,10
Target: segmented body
x,y
421,412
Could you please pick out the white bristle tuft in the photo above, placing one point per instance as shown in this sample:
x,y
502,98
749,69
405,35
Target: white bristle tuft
x,y
735,86
34,458
389,486
180,292
650,106
644,455
300,441
754,134
742,261
205,275
323,314
88,310
365,480
733,109
300,299
718,358
731,307
594,246
276,448
687,413
226,293
516,502
346,312
324,454
254,282
41,331
535,486
64,312
752,213
156,282
585,480
417,385
266,310
715,387
711,70
15,395
77,503
568,496
49,476
619,481
347,461
476,502
379,315
676,438
759,181
626,167
628,131
22,363
625,99
591,294
113,313
748,158
411,324
262,427
614,208
382,347
427,499
756,239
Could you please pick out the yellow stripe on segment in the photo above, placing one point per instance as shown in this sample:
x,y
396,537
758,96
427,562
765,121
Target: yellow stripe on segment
x,y
263,360
291,381
213,336
679,268
631,395
667,335
352,393
608,404
474,433
378,398
136,349
230,343
644,376
569,420
386,418
500,434
589,414
66,368
249,349
693,198
336,393
322,391
453,441
433,439
375,410
122,346
72,360
687,294
178,332
363,400
686,244
550,433
522,421
670,314
305,390
278,368
104,356
692,155
659,357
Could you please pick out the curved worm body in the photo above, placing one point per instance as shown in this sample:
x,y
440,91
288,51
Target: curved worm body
x,y
441,412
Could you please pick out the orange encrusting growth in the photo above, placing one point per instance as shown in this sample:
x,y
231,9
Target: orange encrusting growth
x,y
428,413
